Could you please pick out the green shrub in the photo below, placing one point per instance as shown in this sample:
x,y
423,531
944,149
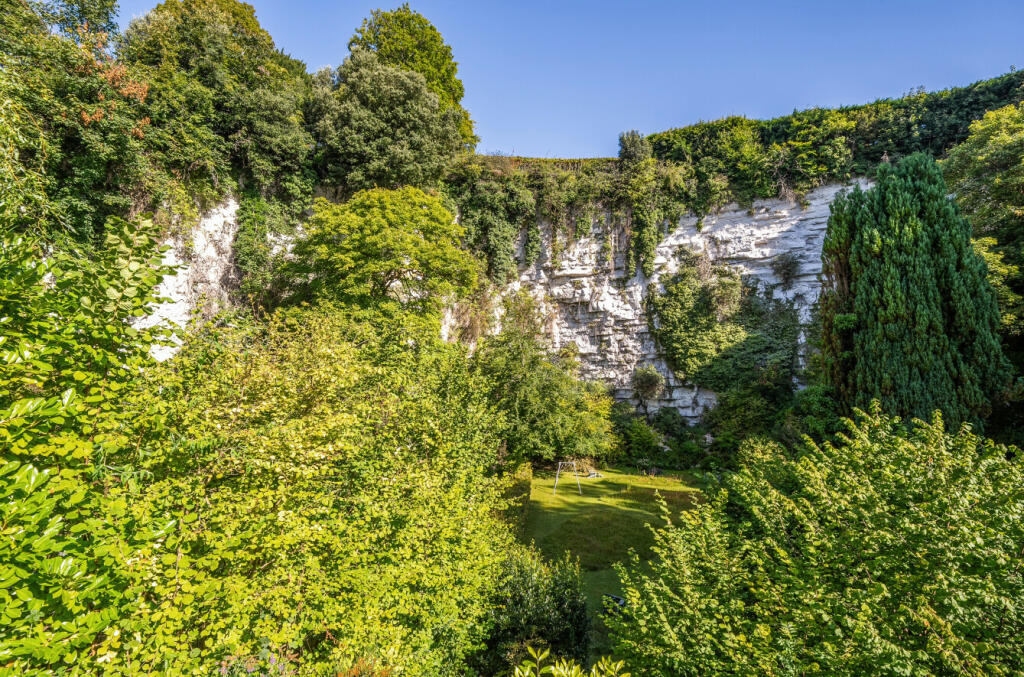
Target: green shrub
x,y
330,481
642,443
890,552
536,604
741,412
494,209
259,222
538,664
814,412
648,383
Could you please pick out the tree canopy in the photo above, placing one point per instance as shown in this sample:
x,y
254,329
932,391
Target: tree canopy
x,y
407,40
380,126
908,315
399,245
224,100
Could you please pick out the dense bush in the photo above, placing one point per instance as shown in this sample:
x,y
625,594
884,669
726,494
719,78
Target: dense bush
x,y
908,315
88,123
549,412
329,484
648,383
641,443
536,604
494,209
664,441
223,101
986,173
262,226
69,359
653,193
892,552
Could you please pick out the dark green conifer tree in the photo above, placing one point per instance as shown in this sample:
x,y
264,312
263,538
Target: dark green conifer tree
x,y
908,316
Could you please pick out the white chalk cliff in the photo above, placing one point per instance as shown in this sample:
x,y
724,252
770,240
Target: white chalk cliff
x,y
585,296
206,274
587,300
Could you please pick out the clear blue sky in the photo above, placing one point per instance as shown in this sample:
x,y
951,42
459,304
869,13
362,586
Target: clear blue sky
x,y
561,78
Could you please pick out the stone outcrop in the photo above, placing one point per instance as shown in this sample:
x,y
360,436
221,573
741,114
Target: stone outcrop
x,y
586,298
206,273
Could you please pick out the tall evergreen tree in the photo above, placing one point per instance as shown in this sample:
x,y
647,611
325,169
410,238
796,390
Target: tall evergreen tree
x,y
908,316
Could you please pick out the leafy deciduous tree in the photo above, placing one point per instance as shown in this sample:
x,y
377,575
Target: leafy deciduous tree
x,y
549,412
893,552
407,40
400,245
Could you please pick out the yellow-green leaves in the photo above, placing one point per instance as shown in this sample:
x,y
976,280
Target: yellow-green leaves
x,y
384,245
893,552
328,478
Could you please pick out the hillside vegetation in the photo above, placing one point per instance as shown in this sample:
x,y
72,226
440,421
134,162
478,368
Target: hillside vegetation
x,y
317,483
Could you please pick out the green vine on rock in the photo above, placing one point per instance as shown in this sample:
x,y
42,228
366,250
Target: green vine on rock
x,y
719,332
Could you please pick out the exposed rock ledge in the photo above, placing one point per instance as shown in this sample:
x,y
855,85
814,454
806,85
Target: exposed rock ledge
x,y
585,299
588,301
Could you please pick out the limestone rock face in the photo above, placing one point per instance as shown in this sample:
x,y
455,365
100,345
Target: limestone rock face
x,y
586,298
206,272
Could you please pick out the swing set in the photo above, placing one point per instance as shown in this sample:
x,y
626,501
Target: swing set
x,y
568,464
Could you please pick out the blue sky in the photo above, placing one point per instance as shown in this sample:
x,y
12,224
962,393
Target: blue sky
x,y
561,78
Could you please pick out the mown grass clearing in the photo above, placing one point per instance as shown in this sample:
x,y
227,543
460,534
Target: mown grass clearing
x,y
602,525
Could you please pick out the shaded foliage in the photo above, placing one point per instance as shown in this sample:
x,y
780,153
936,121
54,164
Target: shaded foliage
x,y
494,208
718,333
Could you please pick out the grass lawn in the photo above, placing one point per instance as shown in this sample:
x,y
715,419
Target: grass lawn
x,y
601,526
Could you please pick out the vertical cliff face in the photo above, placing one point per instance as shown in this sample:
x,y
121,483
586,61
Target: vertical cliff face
x,y
587,299
584,295
206,273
